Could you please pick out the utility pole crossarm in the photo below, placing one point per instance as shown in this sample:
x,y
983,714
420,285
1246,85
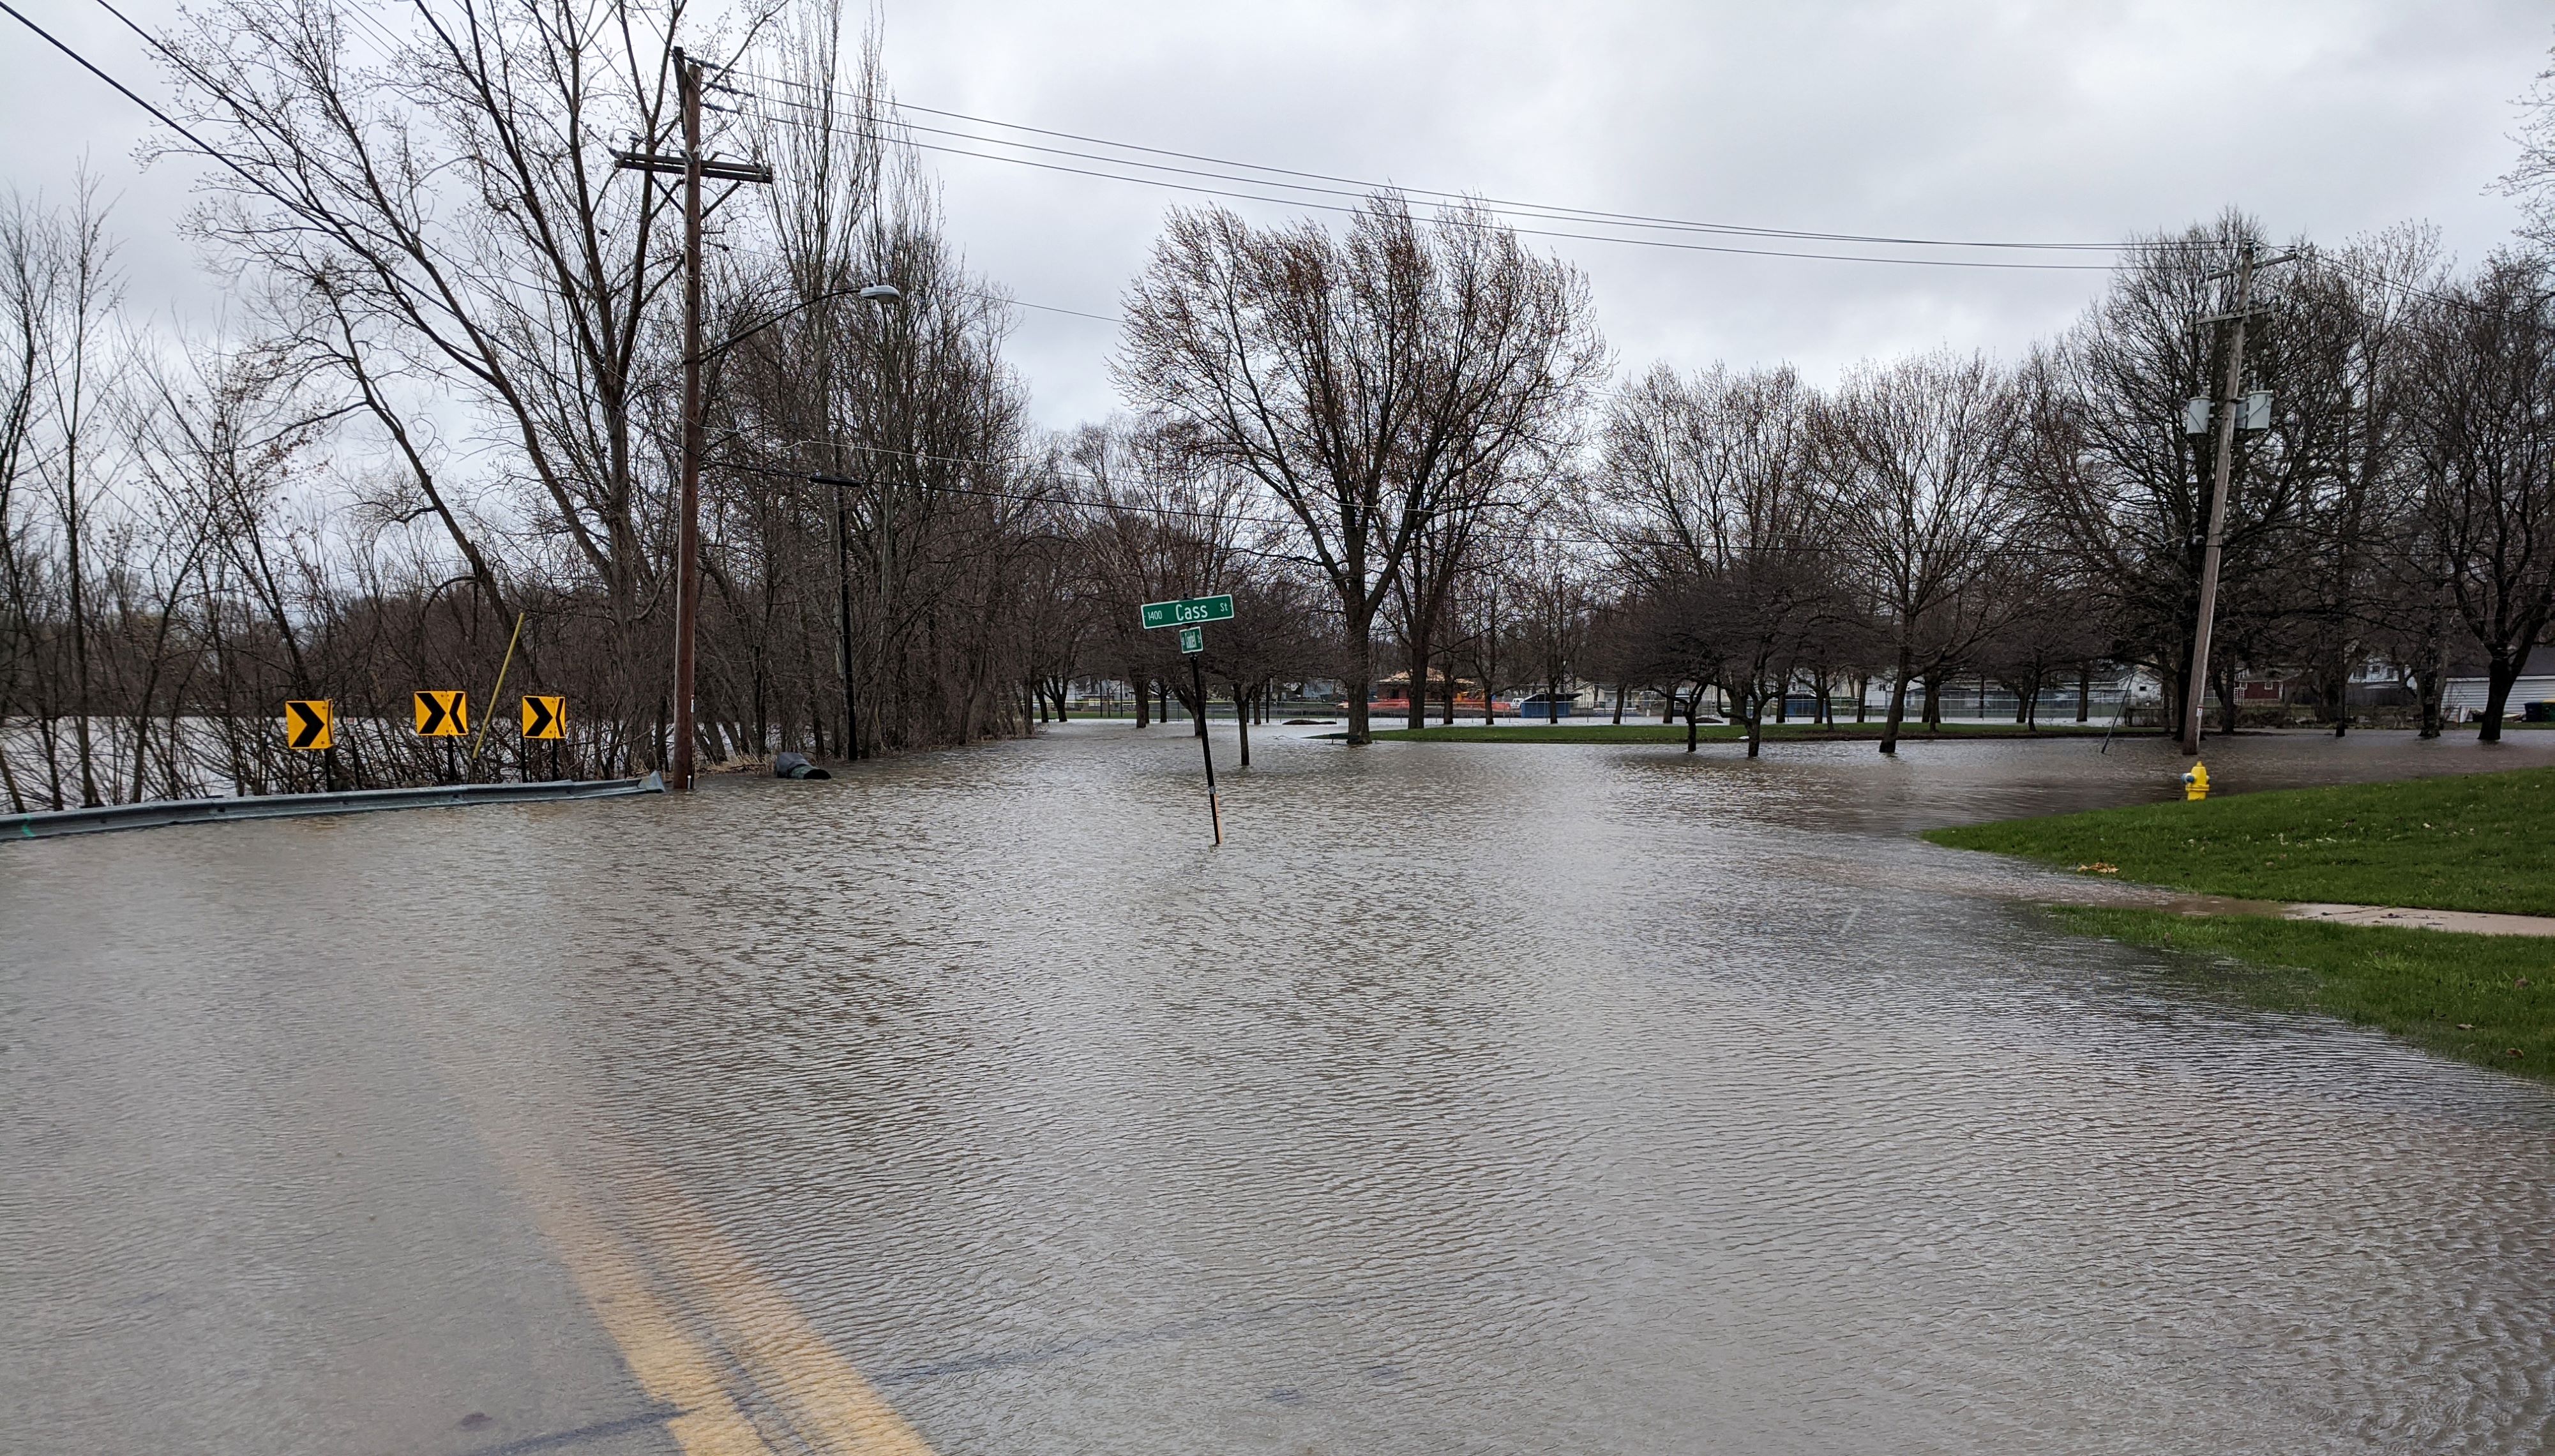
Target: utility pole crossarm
x,y
671,164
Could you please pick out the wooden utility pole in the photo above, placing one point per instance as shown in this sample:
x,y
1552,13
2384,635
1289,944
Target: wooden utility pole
x,y
2223,467
692,168
2230,400
688,527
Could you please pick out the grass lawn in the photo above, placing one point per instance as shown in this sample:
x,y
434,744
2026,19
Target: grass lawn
x,y
2468,841
2475,998
2471,842
1726,732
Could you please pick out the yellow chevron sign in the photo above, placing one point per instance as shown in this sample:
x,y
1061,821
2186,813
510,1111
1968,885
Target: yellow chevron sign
x,y
444,714
307,724
544,717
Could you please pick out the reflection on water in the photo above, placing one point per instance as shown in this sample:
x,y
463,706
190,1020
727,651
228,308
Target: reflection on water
x,y
1515,1098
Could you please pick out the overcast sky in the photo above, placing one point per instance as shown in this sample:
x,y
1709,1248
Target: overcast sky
x,y
2057,121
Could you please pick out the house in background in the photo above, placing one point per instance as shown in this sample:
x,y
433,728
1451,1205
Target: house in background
x,y
2464,696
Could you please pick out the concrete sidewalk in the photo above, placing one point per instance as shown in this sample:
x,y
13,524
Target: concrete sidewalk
x,y
2464,922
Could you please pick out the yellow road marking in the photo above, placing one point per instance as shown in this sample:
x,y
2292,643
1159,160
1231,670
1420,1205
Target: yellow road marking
x,y
669,1365
700,1327
709,1334
828,1402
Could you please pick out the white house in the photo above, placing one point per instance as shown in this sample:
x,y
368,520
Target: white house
x,y
2536,684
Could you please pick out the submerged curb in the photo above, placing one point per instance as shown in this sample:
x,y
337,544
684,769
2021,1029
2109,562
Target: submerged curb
x,y
54,824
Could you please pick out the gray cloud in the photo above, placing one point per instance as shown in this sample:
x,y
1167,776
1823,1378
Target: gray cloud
x,y
1981,120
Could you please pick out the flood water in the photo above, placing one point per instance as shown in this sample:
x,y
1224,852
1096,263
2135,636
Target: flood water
x,y
1504,1098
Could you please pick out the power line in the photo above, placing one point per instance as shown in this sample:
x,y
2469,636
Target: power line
x,y
1340,208
214,153
1555,211
209,150
1623,542
129,95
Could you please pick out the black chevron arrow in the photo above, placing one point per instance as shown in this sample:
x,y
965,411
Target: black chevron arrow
x,y
537,710
436,713
306,723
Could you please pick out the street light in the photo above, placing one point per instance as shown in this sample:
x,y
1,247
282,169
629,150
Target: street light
x,y
881,294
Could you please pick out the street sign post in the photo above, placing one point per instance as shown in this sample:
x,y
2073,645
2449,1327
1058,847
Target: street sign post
x,y
444,715
1189,611
1186,613
308,724
1206,750
546,717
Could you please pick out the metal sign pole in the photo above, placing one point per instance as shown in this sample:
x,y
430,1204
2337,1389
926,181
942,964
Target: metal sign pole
x,y
1214,813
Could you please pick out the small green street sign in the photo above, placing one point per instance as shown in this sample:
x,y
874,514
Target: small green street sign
x,y
1190,610
1192,639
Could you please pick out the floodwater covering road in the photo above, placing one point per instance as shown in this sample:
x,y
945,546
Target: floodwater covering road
x,y
1510,1098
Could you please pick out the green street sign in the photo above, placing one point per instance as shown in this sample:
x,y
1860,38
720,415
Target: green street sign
x,y
1192,639
1194,609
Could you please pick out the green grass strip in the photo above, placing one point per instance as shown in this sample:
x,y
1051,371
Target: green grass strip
x,y
2474,998
1723,733
2469,841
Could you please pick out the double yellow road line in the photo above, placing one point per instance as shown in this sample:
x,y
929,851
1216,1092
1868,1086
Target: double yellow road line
x,y
707,1333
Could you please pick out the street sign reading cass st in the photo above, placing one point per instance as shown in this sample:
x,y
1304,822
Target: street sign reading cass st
x,y
1188,612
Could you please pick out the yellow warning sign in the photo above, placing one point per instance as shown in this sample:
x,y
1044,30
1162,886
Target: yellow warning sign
x,y
544,717
444,714
307,724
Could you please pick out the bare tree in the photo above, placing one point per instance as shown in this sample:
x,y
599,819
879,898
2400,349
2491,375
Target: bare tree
x,y
447,191
1709,498
2487,457
1918,454
1366,382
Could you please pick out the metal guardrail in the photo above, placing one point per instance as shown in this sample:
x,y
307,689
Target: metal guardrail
x,y
56,822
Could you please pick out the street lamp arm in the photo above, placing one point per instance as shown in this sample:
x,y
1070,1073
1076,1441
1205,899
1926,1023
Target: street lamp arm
x,y
864,291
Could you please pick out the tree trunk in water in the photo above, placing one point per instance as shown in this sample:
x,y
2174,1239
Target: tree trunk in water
x,y
1755,706
1143,700
1897,702
1418,694
2085,693
1693,706
1359,681
1242,721
1619,704
2499,675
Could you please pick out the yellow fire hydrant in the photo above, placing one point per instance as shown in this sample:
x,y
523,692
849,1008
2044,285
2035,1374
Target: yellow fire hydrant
x,y
2195,782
